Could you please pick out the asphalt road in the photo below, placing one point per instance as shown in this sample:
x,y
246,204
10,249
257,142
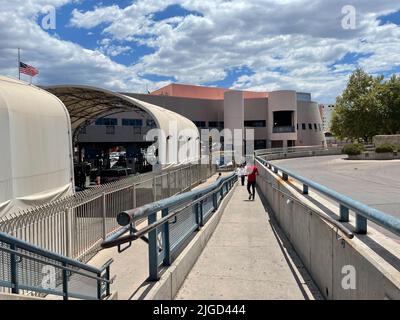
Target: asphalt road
x,y
374,183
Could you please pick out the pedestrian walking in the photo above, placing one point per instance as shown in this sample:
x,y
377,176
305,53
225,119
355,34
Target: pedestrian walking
x,y
241,173
252,172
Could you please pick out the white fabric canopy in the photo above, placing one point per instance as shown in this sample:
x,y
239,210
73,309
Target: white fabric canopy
x,y
36,147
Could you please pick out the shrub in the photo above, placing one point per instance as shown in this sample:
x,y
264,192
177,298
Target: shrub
x,y
353,149
384,148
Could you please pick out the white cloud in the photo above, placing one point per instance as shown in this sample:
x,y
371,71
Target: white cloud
x,y
291,44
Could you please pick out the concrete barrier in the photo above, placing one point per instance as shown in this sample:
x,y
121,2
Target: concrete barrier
x,y
331,258
174,276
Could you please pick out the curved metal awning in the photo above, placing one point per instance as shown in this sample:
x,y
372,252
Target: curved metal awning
x,y
85,104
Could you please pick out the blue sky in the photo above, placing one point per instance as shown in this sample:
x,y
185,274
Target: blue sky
x,y
261,45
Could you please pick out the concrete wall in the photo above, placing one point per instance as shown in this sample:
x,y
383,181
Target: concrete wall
x,y
381,139
234,114
284,100
325,251
308,113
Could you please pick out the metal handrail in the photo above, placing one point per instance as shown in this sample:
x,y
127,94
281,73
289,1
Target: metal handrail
x,y
323,216
66,265
363,212
157,227
130,216
116,238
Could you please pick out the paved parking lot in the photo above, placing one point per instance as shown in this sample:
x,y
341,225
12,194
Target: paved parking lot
x,y
374,183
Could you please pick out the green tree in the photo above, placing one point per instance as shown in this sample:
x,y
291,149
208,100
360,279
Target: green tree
x,y
389,96
358,111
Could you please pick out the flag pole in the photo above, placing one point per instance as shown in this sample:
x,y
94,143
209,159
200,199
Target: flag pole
x,y
19,63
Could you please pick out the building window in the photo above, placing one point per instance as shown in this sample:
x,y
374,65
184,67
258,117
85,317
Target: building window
x,y
150,123
260,144
200,124
132,122
255,123
310,126
303,126
106,122
110,129
297,127
315,127
216,124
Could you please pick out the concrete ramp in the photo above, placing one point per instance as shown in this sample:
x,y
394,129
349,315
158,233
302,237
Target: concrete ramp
x,y
248,258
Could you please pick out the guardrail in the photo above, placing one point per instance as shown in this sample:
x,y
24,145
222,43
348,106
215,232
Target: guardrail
x,y
362,212
28,269
181,217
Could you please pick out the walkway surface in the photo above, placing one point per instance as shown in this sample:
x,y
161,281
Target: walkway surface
x,y
248,258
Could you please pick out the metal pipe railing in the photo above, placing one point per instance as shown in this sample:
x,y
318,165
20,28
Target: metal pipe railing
x,y
67,266
181,216
362,211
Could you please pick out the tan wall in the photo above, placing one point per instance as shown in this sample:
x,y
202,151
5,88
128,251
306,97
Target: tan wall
x,y
325,251
308,112
381,139
284,100
234,112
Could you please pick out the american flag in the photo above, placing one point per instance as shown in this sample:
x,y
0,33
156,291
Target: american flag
x,y
27,69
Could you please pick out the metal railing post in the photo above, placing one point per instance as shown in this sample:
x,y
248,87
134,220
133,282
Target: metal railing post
x,y
215,201
104,208
361,224
201,213
99,284
169,184
68,232
344,213
14,270
153,250
166,240
65,281
155,188
134,196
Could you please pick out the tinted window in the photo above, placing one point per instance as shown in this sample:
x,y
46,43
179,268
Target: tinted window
x,y
303,126
107,122
255,123
132,122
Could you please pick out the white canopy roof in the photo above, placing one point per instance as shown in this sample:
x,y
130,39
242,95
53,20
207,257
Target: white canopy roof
x,y
36,148
86,104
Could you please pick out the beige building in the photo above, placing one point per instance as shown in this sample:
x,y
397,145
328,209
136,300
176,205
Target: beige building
x,y
279,118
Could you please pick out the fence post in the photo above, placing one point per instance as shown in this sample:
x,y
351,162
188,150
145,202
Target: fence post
x,y
68,232
104,215
361,224
344,213
169,183
14,270
154,188
215,201
134,196
166,242
153,250
65,281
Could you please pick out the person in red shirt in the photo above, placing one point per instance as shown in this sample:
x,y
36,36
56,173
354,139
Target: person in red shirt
x,y
252,172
